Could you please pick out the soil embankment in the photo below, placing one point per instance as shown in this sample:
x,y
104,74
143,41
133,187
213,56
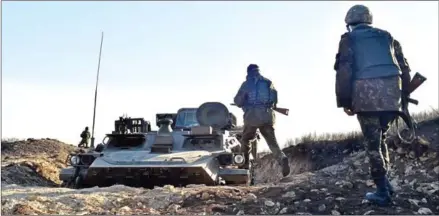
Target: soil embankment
x,y
328,177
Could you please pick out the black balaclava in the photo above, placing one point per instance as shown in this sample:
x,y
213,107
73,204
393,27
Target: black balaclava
x,y
253,71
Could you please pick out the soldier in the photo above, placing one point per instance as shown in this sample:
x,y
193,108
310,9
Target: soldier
x,y
85,136
257,97
369,66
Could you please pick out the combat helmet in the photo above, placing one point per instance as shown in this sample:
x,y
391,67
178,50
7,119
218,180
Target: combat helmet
x,y
358,14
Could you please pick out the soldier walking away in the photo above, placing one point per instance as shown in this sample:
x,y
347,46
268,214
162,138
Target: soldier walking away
x,y
85,136
257,97
369,69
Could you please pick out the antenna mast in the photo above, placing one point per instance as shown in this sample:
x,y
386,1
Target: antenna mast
x,y
96,94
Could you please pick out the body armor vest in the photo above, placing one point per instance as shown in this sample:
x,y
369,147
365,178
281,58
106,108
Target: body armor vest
x,y
374,55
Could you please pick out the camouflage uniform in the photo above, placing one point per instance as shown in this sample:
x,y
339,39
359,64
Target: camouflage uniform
x,y
257,97
369,66
85,136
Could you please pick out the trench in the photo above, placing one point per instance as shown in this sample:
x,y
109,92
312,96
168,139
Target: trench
x,y
310,155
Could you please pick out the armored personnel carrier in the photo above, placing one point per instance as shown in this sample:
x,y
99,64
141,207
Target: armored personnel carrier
x,y
193,146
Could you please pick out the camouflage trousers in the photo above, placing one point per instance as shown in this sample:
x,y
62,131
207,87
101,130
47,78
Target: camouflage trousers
x,y
83,142
267,131
374,126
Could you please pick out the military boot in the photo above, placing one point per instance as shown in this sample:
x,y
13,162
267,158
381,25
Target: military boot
x,y
382,196
390,187
285,166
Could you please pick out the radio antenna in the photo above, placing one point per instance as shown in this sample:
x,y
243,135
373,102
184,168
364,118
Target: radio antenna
x,y
96,94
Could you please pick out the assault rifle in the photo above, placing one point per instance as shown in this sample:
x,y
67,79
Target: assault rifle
x,y
417,81
277,109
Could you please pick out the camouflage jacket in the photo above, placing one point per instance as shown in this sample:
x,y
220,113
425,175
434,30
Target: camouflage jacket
x,y
85,135
381,94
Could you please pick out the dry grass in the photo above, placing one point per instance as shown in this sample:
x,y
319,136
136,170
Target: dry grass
x,y
351,137
316,151
11,139
356,135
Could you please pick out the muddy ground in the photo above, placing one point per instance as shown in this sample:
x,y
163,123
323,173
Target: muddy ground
x,y
328,177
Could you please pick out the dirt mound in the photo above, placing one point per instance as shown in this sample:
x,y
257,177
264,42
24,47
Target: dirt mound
x,y
316,152
29,174
34,162
32,147
329,177
337,189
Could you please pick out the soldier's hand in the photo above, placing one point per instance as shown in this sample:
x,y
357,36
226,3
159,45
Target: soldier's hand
x,y
348,112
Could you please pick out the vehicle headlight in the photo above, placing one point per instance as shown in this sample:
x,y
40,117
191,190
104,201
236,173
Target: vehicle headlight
x,y
74,160
239,159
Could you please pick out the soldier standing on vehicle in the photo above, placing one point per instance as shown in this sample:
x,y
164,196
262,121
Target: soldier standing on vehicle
x,y
85,136
257,97
369,65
